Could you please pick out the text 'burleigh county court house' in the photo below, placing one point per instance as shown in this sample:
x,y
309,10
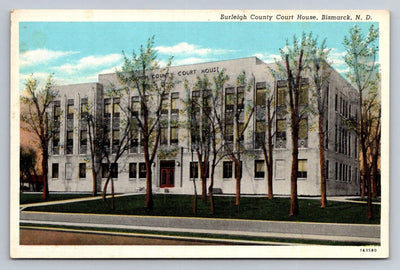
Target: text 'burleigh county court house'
x,y
69,169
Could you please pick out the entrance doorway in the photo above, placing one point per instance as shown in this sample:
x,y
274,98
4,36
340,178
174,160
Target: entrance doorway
x,y
167,173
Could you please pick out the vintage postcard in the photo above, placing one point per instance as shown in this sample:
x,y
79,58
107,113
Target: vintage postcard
x,y
199,134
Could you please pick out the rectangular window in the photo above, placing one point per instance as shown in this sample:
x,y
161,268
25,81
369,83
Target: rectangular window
x,y
303,128
142,170
164,136
281,129
115,140
261,97
164,104
114,170
259,169
70,142
336,102
227,169
83,141
82,170
303,95
229,131
105,172
336,171
107,107
240,98
327,170
302,172
135,106
174,103
70,109
194,170
54,170
84,108
56,143
116,107
174,135
57,111
281,97
260,134
132,170
229,99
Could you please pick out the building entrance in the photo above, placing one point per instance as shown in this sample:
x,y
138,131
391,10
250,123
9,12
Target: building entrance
x,y
167,173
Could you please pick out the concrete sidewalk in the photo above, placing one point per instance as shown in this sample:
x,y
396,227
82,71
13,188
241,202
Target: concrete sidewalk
x,y
296,230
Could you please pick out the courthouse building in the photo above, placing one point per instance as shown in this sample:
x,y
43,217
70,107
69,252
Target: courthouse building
x,y
69,161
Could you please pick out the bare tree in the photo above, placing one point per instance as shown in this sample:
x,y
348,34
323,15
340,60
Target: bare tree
x,y
320,72
293,68
264,134
37,120
135,78
361,53
233,124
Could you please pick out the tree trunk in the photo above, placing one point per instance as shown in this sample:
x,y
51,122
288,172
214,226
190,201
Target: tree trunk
x,y
94,183
210,192
362,195
367,180
270,155
294,204
45,172
237,197
203,188
324,202
149,192
105,188
112,195
375,176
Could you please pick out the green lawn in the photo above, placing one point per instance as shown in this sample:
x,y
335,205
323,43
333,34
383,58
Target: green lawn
x,y
25,198
257,208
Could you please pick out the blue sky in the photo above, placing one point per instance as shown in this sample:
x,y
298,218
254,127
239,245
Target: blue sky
x,y
77,52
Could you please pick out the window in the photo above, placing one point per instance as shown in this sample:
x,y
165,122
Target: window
x,y
132,170
194,170
174,135
260,134
142,170
114,170
281,129
259,169
70,142
302,171
115,138
336,102
229,131
164,136
303,95
240,98
227,169
116,107
281,96
105,172
327,170
54,170
174,103
83,141
303,128
207,101
164,104
70,109
336,171
57,110
261,97
229,99
82,170
56,143
84,108
135,106
107,107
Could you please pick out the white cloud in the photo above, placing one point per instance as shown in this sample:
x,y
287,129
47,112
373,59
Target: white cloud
x,y
90,62
267,57
337,58
40,56
185,48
